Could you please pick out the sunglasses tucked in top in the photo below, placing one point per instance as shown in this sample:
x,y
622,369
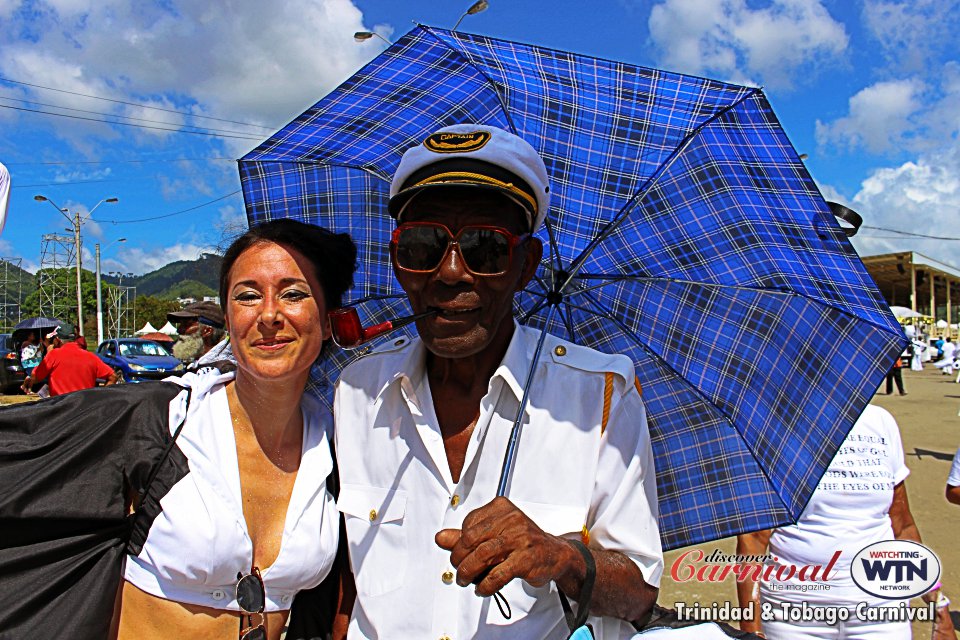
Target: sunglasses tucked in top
x,y
252,598
486,250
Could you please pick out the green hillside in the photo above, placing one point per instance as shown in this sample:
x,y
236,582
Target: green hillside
x,y
17,281
181,279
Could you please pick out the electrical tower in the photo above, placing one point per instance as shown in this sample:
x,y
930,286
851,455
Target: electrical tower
x,y
11,292
58,299
120,316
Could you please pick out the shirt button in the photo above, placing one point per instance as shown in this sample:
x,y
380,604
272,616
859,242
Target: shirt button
x,y
219,594
447,577
454,501
373,515
285,599
560,350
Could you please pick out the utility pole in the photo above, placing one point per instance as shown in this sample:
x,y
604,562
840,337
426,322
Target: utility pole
x,y
76,221
76,240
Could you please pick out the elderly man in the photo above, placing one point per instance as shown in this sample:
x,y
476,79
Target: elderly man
x,y
69,366
200,326
422,427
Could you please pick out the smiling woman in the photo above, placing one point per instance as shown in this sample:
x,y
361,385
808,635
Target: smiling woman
x,y
215,485
275,283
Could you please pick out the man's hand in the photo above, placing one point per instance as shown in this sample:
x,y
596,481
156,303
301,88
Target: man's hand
x,y
27,384
498,543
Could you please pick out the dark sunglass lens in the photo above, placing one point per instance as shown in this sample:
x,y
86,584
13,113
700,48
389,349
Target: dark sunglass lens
x,y
250,594
485,250
421,248
256,634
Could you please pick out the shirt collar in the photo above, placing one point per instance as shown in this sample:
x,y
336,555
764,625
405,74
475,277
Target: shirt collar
x,y
513,369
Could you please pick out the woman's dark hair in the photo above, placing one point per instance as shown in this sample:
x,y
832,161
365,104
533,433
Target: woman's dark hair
x,y
333,255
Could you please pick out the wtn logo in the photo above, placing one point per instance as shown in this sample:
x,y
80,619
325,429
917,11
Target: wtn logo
x,y
895,569
902,570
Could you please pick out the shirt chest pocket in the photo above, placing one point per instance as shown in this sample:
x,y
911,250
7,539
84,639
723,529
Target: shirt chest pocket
x,y
378,546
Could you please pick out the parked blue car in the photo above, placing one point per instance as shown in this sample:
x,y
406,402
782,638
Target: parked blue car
x,y
138,360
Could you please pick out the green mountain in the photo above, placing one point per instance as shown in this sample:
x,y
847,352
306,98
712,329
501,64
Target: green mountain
x,y
181,279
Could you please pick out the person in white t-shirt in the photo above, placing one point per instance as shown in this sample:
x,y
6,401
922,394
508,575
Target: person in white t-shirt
x,y
861,499
953,480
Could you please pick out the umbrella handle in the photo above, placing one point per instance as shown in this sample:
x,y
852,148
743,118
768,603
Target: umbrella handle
x,y
511,453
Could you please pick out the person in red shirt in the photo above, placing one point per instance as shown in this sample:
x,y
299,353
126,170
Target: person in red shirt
x,y
69,367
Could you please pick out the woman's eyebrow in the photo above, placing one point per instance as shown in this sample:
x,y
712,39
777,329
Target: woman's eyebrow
x,y
284,282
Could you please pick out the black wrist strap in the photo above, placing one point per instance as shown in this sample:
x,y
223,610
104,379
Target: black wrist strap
x,y
574,622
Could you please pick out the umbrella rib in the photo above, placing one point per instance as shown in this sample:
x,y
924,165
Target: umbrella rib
x,y
374,298
493,85
600,311
323,163
659,173
568,320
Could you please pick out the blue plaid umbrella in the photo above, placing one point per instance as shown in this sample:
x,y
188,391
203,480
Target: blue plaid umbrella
x,y
684,232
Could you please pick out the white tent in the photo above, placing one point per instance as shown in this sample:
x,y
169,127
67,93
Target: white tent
x,y
168,329
147,328
904,312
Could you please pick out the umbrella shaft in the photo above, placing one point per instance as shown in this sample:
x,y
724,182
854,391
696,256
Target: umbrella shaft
x,y
510,456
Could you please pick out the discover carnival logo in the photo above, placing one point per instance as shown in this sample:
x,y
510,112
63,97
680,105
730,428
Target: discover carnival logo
x,y
895,569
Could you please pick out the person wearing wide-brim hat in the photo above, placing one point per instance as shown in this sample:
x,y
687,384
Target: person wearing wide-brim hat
x,y
200,327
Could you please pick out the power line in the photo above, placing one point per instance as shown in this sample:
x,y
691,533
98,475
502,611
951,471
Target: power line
x,y
132,124
910,233
58,184
163,160
134,104
175,213
114,115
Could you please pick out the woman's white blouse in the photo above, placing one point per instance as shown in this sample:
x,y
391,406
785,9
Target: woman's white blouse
x,y
199,541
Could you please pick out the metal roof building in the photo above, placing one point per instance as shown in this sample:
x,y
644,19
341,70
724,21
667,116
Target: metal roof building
x,y
913,280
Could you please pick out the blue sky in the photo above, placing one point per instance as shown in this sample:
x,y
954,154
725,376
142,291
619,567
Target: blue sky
x,y
869,89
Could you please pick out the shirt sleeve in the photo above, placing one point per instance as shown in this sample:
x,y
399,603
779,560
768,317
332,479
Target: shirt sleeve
x,y
954,478
897,464
623,514
42,370
103,369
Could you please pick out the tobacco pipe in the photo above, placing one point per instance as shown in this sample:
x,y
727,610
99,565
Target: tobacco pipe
x,y
348,333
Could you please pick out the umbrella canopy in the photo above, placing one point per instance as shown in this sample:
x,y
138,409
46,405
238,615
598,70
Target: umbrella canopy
x,y
168,329
684,232
147,328
38,324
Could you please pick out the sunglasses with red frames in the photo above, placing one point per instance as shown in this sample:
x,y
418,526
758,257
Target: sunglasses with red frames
x,y
486,250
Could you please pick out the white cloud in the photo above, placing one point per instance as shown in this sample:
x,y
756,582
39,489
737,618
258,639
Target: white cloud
x,y
898,114
921,196
732,40
879,118
911,33
139,260
258,62
7,7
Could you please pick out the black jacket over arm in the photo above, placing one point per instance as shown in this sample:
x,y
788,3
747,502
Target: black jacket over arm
x,y
69,467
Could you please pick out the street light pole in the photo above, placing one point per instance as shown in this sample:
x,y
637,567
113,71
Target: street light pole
x,y
76,243
99,296
475,8
76,221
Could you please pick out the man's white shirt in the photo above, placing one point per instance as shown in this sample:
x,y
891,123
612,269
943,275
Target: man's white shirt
x,y
574,471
